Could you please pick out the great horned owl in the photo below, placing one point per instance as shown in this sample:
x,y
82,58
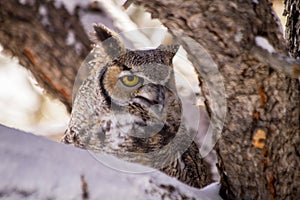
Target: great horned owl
x,y
128,107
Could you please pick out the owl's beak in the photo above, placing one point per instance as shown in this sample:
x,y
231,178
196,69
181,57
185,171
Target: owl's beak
x,y
151,98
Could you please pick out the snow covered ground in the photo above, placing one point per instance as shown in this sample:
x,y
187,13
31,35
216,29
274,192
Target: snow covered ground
x,y
33,167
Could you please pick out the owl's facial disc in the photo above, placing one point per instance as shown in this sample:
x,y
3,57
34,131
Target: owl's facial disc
x,y
139,106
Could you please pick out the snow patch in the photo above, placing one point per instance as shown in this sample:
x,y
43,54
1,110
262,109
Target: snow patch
x,y
23,2
264,43
71,41
71,5
238,37
185,75
126,26
18,100
255,1
70,38
43,12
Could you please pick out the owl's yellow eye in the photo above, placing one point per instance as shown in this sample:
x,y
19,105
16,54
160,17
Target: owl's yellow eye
x,y
131,80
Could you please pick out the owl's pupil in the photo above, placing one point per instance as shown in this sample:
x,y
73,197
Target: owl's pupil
x,y
130,78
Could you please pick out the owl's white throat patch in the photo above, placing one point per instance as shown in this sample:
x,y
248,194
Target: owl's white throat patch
x,y
130,125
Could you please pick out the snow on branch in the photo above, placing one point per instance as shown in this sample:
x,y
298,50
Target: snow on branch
x,y
279,62
33,167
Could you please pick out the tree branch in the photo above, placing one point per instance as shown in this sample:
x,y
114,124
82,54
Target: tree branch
x,y
278,62
49,39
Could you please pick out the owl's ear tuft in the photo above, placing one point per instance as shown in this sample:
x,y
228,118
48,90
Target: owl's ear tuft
x,y
169,51
109,40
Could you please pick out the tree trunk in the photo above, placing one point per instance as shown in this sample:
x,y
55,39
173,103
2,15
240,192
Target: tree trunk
x,y
258,150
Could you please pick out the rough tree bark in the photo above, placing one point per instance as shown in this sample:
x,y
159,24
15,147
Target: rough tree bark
x,y
292,32
259,148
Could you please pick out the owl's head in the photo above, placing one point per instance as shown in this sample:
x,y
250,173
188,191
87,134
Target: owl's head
x,y
139,88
